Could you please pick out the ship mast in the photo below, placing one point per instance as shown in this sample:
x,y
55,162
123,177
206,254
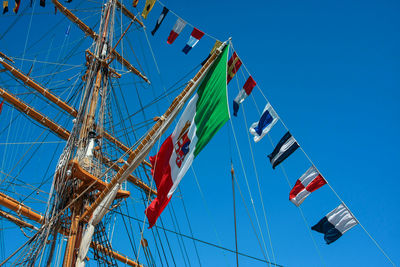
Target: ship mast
x,y
81,194
97,77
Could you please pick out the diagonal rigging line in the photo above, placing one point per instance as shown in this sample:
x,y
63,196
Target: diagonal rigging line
x,y
255,171
248,188
201,241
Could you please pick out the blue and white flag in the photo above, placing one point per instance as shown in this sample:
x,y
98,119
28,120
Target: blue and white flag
x,y
265,124
285,147
335,224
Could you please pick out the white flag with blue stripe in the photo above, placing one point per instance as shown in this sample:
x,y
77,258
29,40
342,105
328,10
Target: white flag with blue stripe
x,y
265,124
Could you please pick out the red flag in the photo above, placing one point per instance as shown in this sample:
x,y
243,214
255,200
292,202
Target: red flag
x,y
1,106
161,171
249,85
16,7
234,64
135,2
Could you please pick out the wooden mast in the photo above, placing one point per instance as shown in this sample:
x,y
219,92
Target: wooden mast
x,y
29,213
86,136
76,216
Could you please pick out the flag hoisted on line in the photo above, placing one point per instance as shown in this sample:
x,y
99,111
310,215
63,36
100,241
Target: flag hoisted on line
x,y
234,64
16,7
268,119
335,224
194,38
286,146
135,3
5,6
160,20
147,8
1,105
203,116
310,181
216,45
243,94
176,30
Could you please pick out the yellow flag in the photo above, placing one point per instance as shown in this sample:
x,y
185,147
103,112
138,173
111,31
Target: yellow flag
x,y
147,8
5,7
216,45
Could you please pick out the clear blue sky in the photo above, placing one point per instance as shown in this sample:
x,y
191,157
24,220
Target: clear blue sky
x,y
331,71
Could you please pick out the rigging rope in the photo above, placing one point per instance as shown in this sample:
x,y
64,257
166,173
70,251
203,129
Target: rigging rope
x,y
203,242
329,185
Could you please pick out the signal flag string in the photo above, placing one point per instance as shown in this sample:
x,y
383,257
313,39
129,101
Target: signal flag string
x,y
329,185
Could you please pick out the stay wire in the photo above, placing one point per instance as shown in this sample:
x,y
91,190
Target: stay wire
x,y
177,236
301,212
329,185
248,188
190,227
255,170
208,211
202,241
179,231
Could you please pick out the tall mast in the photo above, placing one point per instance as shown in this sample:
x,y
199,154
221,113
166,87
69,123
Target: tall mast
x,y
80,180
96,82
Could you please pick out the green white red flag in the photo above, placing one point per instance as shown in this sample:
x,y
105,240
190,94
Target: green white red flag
x,y
204,115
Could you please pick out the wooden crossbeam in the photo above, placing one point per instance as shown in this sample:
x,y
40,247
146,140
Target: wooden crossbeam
x,y
127,13
55,99
63,133
87,30
27,212
39,88
37,116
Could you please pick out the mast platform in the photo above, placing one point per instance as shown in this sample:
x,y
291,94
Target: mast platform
x,y
88,179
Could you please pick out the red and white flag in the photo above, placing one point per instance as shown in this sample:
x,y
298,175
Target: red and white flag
x,y
176,30
193,40
310,181
245,92
234,64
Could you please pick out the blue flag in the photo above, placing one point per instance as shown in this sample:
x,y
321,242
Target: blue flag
x,y
265,124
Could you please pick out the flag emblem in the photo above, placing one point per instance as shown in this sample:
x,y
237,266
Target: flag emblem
x,y
182,145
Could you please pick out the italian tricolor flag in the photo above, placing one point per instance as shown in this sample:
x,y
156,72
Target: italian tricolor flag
x,y
204,115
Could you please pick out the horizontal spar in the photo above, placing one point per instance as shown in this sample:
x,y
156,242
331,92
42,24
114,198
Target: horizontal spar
x,y
87,30
28,213
55,99
62,132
